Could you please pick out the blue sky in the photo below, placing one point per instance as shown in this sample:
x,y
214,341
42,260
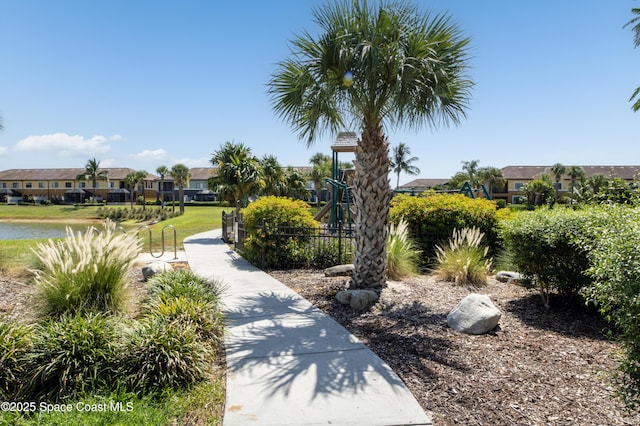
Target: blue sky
x,y
147,83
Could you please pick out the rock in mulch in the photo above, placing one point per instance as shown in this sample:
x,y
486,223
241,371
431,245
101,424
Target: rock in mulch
x,y
359,300
508,277
475,314
340,270
154,268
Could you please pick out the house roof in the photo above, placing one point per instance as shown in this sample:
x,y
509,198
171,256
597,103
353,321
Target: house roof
x,y
424,183
531,172
114,173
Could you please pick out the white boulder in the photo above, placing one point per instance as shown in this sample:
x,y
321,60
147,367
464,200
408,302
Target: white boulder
x,y
475,314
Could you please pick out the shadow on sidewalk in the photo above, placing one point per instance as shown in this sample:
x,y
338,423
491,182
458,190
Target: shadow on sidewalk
x,y
284,337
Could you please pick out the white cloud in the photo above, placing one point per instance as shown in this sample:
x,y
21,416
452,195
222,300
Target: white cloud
x,y
65,145
151,154
3,150
116,138
194,162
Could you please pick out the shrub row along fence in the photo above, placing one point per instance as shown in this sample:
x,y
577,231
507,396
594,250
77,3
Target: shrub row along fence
x,y
287,247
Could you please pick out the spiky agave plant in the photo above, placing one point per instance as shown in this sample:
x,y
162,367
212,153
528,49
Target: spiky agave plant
x,y
463,260
86,271
402,255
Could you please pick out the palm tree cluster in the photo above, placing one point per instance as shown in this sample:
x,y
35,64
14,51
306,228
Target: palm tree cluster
x,y
490,177
93,174
372,67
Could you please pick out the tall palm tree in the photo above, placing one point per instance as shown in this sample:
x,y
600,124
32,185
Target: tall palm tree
x,y
372,67
162,171
557,170
93,173
636,42
320,171
401,163
575,173
181,176
135,182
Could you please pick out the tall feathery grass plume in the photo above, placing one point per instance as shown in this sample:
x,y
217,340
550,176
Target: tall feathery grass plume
x,y
403,256
464,259
86,271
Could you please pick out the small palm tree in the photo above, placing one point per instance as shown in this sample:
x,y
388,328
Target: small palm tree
x,y
557,170
471,169
321,170
490,177
181,176
238,173
93,174
273,177
401,163
162,171
371,67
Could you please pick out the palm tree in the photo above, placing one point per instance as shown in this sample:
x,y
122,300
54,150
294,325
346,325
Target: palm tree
x,y
400,162
471,169
575,173
296,184
372,67
490,177
181,175
636,42
273,177
135,181
321,170
162,171
238,173
557,170
93,173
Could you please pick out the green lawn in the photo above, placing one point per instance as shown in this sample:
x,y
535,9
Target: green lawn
x,y
15,255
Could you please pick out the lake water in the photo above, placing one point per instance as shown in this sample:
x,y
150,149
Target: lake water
x,y
30,230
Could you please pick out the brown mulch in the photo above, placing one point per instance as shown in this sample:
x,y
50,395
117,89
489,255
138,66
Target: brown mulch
x,y
539,367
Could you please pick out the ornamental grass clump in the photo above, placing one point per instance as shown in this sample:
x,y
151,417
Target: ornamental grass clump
x,y
86,271
73,354
15,345
402,254
463,260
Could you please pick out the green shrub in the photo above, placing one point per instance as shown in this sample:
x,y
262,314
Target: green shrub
x,y
615,269
434,217
86,271
279,251
463,260
402,255
73,354
327,253
544,246
15,344
164,354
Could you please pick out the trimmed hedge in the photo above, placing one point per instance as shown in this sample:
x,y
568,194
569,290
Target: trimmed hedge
x,y
433,218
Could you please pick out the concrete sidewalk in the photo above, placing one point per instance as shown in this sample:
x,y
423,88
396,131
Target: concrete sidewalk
x,y
288,363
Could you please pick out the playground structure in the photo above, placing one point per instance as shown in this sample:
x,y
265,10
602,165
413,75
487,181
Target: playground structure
x,y
340,208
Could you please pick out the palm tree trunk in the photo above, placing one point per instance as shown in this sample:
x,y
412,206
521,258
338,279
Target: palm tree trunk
x,y
372,196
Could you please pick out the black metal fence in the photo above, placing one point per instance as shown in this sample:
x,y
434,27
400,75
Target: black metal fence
x,y
228,230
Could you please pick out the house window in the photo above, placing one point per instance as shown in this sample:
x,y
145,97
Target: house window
x,y
519,200
518,186
15,185
67,184
109,184
41,185
199,185
557,186
54,185
3,184
28,185
83,184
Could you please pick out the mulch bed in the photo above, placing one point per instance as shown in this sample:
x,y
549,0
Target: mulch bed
x,y
539,367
